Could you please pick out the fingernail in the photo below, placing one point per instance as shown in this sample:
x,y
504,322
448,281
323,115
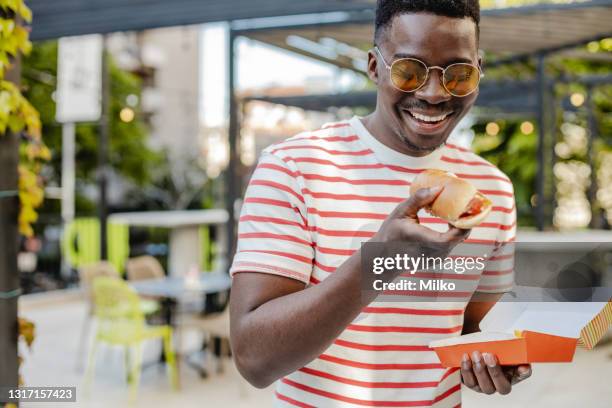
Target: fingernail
x,y
476,357
435,189
523,372
465,358
490,359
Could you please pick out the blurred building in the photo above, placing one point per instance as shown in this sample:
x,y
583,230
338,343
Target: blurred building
x,y
167,60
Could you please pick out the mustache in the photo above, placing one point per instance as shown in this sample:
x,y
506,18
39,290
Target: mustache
x,y
420,105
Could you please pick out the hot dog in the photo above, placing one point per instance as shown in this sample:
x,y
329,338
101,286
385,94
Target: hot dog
x,y
459,202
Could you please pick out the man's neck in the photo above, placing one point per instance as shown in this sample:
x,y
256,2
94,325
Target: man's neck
x,y
387,136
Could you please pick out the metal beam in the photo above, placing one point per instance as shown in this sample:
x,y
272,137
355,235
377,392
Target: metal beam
x,y
231,180
537,8
596,213
103,142
540,156
58,18
365,15
525,57
516,96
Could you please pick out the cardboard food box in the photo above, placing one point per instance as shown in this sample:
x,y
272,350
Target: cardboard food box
x,y
531,332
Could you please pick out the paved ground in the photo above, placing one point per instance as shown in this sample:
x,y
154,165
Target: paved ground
x,y
52,362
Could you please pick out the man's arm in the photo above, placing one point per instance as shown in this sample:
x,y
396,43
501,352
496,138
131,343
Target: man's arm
x,y
278,326
477,308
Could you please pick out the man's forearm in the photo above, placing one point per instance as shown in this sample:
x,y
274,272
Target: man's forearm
x,y
477,308
286,333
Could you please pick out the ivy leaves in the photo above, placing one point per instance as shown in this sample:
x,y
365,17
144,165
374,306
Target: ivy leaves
x,y
18,115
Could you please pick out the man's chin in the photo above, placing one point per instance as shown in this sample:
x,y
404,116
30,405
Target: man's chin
x,y
421,147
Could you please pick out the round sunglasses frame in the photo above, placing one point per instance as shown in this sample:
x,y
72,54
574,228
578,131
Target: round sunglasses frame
x,y
427,68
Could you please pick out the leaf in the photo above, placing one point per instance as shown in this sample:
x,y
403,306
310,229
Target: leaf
x,y
25,12
26,330
15,124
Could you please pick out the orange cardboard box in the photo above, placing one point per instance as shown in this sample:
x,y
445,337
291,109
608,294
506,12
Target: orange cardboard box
x,y
531,332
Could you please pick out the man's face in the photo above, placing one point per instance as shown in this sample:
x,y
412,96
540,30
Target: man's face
x,y
435,40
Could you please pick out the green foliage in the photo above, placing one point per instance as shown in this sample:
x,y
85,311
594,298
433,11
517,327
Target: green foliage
x,y
515,153
17,114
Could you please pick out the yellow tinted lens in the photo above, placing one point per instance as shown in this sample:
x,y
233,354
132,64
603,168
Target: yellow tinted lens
x,y
461,79
408,75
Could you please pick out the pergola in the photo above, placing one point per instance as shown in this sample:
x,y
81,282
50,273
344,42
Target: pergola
x,y
512,34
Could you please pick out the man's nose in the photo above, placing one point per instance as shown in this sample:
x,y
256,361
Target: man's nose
x,y
433,92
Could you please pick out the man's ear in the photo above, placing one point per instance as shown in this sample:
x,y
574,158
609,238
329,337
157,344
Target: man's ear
x,y
372,67
481,61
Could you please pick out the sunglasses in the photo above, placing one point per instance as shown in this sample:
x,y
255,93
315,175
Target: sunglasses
x,y
410,74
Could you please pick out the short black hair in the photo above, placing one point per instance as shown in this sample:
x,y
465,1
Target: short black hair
x,y
386,10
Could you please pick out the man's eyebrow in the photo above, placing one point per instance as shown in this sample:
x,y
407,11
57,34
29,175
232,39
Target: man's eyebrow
x,y
447,63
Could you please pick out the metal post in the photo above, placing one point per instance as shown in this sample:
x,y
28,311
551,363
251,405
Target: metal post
x,y
230,174
540,177
596,220
68,182
9,276
552,186
103,152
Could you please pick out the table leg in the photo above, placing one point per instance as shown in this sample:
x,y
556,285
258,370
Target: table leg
x,y
168,307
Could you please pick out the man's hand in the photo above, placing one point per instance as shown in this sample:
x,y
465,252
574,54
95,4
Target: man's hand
x,y
482,373
403,224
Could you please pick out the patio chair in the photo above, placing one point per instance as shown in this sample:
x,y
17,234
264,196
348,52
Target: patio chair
x,y
144,267
121,322
87,274
216,327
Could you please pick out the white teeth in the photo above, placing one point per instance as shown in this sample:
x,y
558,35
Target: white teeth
x,y
429,118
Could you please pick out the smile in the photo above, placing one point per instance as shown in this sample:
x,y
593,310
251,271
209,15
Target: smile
x,y
428,118
426,124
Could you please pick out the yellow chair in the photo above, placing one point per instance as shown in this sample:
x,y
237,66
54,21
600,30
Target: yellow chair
x,y
121,322
87,275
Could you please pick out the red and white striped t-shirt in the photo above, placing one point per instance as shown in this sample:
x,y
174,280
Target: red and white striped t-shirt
x,y
311,202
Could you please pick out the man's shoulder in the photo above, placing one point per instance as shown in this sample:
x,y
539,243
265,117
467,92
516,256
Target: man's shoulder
x,y
473,163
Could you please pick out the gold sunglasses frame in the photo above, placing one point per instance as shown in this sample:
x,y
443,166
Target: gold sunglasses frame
x,y
390,67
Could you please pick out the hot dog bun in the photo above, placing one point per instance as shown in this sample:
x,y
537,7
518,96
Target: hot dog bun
x,y
455,200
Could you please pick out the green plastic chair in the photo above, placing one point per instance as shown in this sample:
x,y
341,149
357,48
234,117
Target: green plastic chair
x,y
121,322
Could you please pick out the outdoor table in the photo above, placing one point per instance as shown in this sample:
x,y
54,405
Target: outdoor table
x,y
178,288
185,247
174,290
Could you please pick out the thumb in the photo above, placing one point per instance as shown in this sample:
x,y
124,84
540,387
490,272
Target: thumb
x,y
420,199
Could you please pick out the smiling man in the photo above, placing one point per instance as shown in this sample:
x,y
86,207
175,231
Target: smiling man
x,y
299,316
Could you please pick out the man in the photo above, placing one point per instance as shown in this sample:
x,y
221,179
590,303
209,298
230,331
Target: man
x,y
298,313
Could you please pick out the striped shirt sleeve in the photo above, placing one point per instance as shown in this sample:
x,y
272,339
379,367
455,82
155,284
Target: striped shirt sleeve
x,y
273,233
498,276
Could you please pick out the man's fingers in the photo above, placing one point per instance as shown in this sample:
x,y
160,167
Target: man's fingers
x,y
455,234
420,199
521,373
467,374
482,374
502,385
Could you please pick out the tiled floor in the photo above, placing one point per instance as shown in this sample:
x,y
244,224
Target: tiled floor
x,y
52,362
